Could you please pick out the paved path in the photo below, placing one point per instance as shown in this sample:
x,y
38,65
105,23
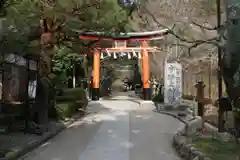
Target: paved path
x,y
116,130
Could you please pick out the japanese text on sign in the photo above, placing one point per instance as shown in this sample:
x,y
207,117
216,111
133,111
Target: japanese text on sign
x,y
172,82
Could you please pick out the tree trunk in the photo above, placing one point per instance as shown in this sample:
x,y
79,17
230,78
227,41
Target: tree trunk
x,y
45,68
231,58
42,101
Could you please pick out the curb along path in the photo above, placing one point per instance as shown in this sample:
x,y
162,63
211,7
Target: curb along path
x,y
16,153
192,127
20,151
49,135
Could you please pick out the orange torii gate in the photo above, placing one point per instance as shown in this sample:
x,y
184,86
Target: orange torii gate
x,y
144,49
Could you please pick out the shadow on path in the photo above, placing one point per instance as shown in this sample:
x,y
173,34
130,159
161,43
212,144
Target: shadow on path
x,y
114,130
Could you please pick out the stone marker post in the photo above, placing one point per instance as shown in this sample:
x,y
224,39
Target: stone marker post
x,y
200,100
200,97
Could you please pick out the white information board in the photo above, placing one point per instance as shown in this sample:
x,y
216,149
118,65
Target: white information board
x,y
172,83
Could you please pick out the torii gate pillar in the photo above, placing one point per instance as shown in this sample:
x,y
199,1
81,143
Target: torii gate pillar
x,y
145,71
96,75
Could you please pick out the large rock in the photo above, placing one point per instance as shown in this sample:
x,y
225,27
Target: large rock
x,y
225,137
194,126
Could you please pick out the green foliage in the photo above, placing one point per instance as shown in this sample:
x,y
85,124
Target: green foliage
x,y
23,19
158,98
108,76
64,61
80,16
216,149
72,95
65,98
107,16
78,93
70,102
231,69
236,112
65,110
159,95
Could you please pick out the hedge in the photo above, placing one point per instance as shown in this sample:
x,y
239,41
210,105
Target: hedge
x,y
65,110
70,101
75,92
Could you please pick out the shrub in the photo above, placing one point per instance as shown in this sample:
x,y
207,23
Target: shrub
x,y
70,101
158,98
59,92
65,110
82,104
66,98
74,92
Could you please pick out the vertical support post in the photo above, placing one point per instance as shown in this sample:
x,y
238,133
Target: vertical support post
x,y
200,97
96,75
145,71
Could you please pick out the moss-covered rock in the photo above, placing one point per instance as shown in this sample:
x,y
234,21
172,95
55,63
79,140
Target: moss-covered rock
x,y
66,98
70,102
65,110
74,92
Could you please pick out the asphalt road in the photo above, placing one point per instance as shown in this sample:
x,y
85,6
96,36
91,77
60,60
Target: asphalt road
x,y
114,130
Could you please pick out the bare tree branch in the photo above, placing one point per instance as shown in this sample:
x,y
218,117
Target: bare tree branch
x,y
195,43
204,27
